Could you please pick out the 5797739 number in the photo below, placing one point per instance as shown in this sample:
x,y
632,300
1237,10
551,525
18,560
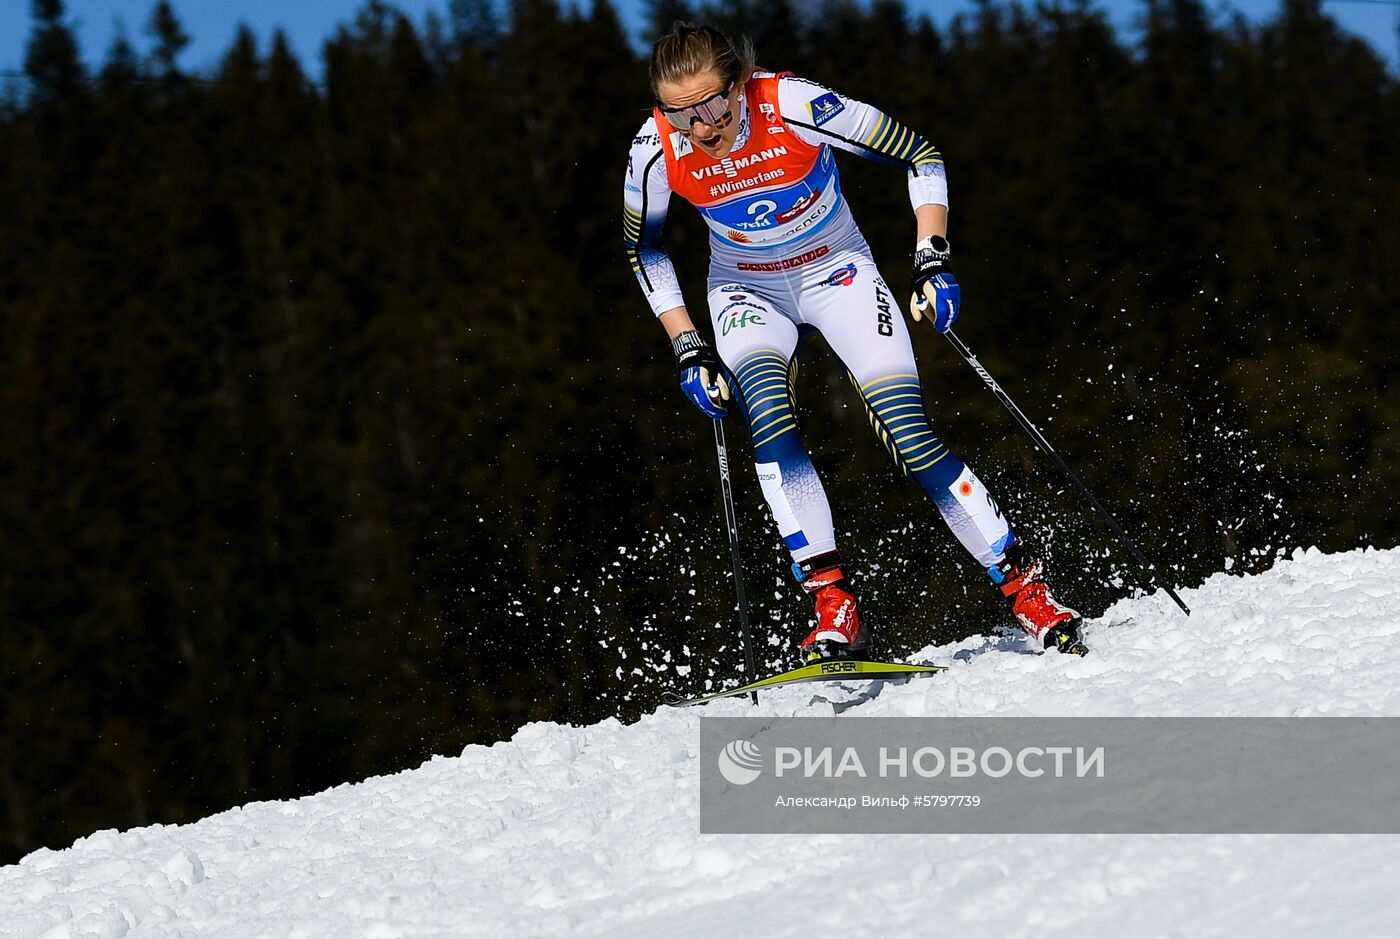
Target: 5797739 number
x,y
946,802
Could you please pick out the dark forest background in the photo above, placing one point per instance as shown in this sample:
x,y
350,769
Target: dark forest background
x,y
335,432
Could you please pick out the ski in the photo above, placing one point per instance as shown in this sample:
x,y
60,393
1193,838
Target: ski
x,y
832,670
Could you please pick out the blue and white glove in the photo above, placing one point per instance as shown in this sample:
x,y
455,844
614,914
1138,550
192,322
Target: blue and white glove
x,y
702,375
934,290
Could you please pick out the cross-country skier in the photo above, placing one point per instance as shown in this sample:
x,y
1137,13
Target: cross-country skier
x,y
752,150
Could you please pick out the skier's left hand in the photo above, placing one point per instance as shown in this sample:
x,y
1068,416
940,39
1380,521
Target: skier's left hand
x,y
934,291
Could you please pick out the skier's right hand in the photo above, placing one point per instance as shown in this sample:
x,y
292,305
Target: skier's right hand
x,y
702,374
934,291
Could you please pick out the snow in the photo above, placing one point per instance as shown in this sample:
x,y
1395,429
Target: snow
x,y
593,830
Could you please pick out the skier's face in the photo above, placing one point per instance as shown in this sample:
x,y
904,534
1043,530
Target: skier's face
x,y
708,103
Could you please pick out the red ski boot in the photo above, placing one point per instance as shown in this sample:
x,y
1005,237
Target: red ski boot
x,y
838,634
1052,624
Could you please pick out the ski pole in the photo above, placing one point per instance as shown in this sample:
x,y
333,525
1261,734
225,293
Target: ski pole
x,y
1044,444
732,520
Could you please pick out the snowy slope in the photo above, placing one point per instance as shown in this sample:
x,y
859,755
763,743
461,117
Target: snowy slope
x,y
592,830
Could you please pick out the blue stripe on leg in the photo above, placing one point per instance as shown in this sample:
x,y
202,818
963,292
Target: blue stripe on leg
x,y
895,405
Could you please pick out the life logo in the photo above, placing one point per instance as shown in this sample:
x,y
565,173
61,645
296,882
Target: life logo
x,y
841,277
738,319
741,762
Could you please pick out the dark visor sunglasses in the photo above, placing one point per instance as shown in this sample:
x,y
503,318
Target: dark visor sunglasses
x,y
714,110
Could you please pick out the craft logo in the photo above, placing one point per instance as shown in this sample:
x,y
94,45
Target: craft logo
x,y
842,277
826,107
741,762
884,319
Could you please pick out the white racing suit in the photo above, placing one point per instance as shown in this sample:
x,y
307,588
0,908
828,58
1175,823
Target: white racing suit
x,y
788,258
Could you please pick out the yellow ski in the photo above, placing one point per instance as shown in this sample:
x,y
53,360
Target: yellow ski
x,y
830,670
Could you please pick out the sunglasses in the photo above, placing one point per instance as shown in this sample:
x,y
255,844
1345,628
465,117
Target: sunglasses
x,y
714,110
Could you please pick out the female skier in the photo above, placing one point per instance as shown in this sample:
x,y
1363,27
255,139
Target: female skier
x,y
752,151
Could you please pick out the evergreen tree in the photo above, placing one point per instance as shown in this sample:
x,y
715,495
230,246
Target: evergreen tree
x,y
51,59
170,38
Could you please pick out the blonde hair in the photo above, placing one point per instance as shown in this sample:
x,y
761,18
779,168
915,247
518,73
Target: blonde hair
x,y
689,50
